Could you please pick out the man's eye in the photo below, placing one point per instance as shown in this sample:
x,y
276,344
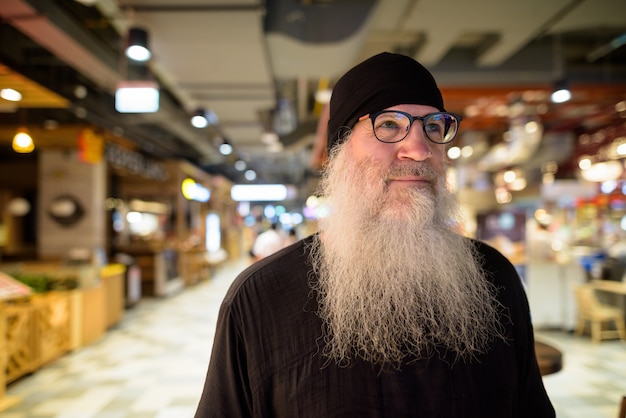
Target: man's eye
x,y
388,124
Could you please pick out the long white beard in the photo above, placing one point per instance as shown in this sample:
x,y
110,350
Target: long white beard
x,y
395,282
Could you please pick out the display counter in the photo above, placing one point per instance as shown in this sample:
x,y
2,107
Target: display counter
x,y
159,269
37,328
194,266
112,277
550,294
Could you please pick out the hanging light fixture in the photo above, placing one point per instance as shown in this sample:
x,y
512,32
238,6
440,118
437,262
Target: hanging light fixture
x,y
561,92
202,118
137,97
199,119
226,148
22,141
137,45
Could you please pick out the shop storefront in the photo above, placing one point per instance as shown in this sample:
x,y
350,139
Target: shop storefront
x,y
86,233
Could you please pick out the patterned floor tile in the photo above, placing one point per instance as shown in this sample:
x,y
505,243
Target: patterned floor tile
x,y
152,365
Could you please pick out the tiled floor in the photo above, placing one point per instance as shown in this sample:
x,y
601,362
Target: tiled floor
x,y
152,365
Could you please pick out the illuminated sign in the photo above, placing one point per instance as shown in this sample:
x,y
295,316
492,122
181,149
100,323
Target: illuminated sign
x,y
262,192
194,191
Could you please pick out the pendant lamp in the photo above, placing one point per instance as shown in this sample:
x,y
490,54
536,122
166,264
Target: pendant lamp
x,y
561,92
23,142
137,45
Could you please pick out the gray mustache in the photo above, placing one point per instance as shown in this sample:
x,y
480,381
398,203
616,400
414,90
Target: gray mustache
x,y
417,168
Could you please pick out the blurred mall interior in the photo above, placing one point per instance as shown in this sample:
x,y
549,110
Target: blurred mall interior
x,y
132,189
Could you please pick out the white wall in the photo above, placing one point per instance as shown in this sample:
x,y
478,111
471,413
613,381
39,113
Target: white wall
x,y
550,294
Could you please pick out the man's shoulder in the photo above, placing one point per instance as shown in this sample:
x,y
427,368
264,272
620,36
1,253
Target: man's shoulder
x,y
489,253
286,268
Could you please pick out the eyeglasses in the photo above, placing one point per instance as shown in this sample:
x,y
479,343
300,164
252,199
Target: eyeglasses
x,y
393,125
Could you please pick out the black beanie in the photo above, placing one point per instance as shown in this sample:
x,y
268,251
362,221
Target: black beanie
x,y
377,83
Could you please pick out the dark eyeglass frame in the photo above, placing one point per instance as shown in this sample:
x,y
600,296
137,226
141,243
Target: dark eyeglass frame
x,y
412,118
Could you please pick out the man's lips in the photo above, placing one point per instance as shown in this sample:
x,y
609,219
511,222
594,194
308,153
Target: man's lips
x,y
409,180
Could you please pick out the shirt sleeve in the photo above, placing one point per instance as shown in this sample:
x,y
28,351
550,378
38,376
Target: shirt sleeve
x,y
226,390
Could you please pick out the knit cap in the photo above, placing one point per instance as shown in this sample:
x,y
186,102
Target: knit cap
x,y
382,81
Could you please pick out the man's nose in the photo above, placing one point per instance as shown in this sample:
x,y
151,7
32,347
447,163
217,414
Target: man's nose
x,y
416,146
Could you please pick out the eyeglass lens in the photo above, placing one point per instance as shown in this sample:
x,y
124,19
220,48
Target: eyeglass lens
x,y
392,126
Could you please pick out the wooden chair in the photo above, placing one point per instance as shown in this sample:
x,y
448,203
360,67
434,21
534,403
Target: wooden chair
x,y
591,310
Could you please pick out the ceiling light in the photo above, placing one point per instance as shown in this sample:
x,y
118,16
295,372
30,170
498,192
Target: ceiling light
x,y
509,176
561,92
503,195
199,120
603,171
80,91
11,95
260,192
584,163
137,45
250,175
23,142
137,97
202,118
240,165
226,149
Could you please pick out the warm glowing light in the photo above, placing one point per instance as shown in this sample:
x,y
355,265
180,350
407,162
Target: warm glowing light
x,y
509,176
23,142
547,178
518,184
11,95
467,151
503,195
584,163
531,127
454,153
603,171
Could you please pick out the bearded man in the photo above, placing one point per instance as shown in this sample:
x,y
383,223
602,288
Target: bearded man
x,y
386,311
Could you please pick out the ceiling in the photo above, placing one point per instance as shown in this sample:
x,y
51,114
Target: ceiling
x,y
258,65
